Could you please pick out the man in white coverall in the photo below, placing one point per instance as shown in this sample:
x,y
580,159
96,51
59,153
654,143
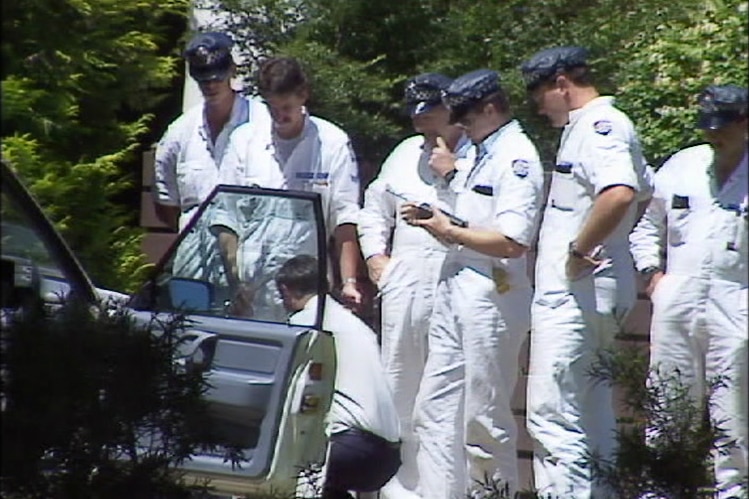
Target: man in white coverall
x,y
362,423
463,419
698,219
312,154
406,271
585,282
189,155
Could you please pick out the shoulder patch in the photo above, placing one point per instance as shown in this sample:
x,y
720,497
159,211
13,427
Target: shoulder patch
x,y
520,167
602,127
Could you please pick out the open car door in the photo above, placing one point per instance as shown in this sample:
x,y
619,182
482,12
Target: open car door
x,y
272,383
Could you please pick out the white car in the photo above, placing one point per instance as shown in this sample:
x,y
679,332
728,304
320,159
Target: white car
x,y
272,383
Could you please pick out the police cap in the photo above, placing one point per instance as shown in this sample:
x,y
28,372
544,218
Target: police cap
x,y
720,105
424,91
209,56
468,90
548,63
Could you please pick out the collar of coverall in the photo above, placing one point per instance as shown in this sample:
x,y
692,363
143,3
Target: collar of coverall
x,y
601,100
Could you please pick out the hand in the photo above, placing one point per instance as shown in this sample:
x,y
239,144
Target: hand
x,y
351,296
375,266
442,160
579,267
241,302
438,224
653,283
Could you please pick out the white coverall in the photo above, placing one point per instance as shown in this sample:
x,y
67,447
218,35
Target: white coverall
x,y
463,418
323,161
186,170
409,281
699,323
568,412
363,398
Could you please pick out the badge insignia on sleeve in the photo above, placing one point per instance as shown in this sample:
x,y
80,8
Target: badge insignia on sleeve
x,y
602,127
520,168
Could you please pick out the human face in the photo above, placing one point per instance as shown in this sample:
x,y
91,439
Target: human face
x,y
287,111
215,91
729,139
287,297
549,99
431,123
478,122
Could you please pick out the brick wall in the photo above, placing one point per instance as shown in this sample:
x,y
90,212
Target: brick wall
x,y
158,235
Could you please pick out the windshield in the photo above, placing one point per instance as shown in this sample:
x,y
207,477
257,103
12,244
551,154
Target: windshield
x,y
226,260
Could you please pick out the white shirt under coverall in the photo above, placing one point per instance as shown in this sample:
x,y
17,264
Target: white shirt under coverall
x,y
569,413
463,418
187,168
362,397
409,281
699,324
322,161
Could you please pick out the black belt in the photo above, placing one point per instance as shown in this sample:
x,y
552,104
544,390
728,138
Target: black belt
x,y
382,441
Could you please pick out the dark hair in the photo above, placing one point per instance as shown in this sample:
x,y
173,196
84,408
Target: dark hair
x,y
281,75
300,274
499,99
581,76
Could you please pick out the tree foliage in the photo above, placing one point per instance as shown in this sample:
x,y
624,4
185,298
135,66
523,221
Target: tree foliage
x,y
95,406
655,55
675,459
79,80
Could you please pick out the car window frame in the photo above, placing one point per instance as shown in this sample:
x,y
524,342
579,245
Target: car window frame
x,y
81,286
322,244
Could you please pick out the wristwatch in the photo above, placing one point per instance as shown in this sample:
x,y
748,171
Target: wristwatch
x,y
449,176
648,272
574,251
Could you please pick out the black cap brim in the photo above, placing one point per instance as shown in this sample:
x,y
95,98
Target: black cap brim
x,y
216,74
716,121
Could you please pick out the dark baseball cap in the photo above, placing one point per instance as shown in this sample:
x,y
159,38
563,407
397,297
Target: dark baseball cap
x,y
424,91
468,90
209,56
548,63
720,105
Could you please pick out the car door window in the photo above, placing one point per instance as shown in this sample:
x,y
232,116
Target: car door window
x,y
225,262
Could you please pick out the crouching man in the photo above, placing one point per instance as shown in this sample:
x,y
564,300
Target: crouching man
x,y
363,423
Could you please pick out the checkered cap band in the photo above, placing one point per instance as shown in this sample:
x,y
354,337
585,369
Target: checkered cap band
x,y
426,87
419,93
203,57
